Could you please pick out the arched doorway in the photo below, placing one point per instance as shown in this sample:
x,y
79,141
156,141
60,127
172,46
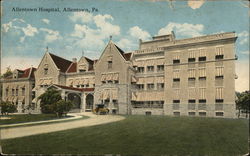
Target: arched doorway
x,y
89,102
75,99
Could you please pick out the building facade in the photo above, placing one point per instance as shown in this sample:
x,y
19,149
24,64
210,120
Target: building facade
x,y
165,76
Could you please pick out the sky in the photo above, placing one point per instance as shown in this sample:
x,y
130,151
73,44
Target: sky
x,y
26,34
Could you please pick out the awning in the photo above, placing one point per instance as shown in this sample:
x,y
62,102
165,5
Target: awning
x,y
41,81
159,79
21,99
133,79
103,78
150,79
115,76
109,77
133,96
15,99
92,80
106,95
148,96
114,94
141,80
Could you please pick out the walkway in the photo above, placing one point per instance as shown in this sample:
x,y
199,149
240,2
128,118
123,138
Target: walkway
x,y
14,132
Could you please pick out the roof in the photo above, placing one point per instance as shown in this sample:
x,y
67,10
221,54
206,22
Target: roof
x,y
72,68
75,89
89,60
26,73
126,56
60,62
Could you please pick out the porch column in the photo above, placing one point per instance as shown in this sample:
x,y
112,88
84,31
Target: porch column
x,y
63,95
83,102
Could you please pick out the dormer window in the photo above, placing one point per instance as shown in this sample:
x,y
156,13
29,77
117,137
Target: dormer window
x,y
82,68
45,71
109,64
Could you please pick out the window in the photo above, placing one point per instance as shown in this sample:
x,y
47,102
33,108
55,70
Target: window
x,y
191,59
177,113
13,92
109,64
219,113
202,113
78,86
45,71
148,113
176,79
202,78
150,68
150,86
33,94
219,77
81,70
7,92
202,101
219,100
191,79
191,113
203,58
140,86
16,92
176,101
87,85
116,81
191,101
176,61
109,81
82,86
160,68
141,69
160,86
219,57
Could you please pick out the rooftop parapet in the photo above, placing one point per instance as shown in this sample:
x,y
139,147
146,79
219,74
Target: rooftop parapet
x,y
160,42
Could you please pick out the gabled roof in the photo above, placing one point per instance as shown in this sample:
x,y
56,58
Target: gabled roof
x,y
126,56
89,60
26,73
72,68
75,89
60,62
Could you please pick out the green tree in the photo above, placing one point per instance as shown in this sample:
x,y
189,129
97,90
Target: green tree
x,y
50,97
62,107
7,73
243,102
7,107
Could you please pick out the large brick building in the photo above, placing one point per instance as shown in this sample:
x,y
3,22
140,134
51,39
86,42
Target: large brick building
x,y
166,76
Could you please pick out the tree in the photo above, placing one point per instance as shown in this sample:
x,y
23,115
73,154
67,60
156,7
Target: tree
x,y
243,102
7,73
7,107
50,97
62,107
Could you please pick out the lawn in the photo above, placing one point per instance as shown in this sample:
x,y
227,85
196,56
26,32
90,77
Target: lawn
x,y
142,135
21,118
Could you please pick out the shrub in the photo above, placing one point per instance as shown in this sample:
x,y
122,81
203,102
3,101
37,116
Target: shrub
x,y
7,107
62,107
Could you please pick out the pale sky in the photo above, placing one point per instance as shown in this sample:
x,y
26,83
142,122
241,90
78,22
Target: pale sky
x,y
25,35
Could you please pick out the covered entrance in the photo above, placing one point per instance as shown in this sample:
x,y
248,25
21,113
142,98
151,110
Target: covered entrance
x,y
89,102
75,99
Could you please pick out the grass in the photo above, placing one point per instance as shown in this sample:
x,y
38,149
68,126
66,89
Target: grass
x,y
22,118
45,123
142,135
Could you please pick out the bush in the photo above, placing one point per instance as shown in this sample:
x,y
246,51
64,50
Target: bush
x,y
62,107
7,107
48,99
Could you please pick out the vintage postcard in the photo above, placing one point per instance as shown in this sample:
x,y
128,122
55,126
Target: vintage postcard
x,y
124,77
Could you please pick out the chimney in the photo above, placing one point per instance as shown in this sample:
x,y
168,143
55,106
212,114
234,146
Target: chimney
x,y
74,60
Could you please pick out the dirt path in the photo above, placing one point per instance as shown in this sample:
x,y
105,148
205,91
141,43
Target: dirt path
x,y
15,132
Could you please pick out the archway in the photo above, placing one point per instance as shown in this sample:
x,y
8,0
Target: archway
x,y
89,102
75,99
